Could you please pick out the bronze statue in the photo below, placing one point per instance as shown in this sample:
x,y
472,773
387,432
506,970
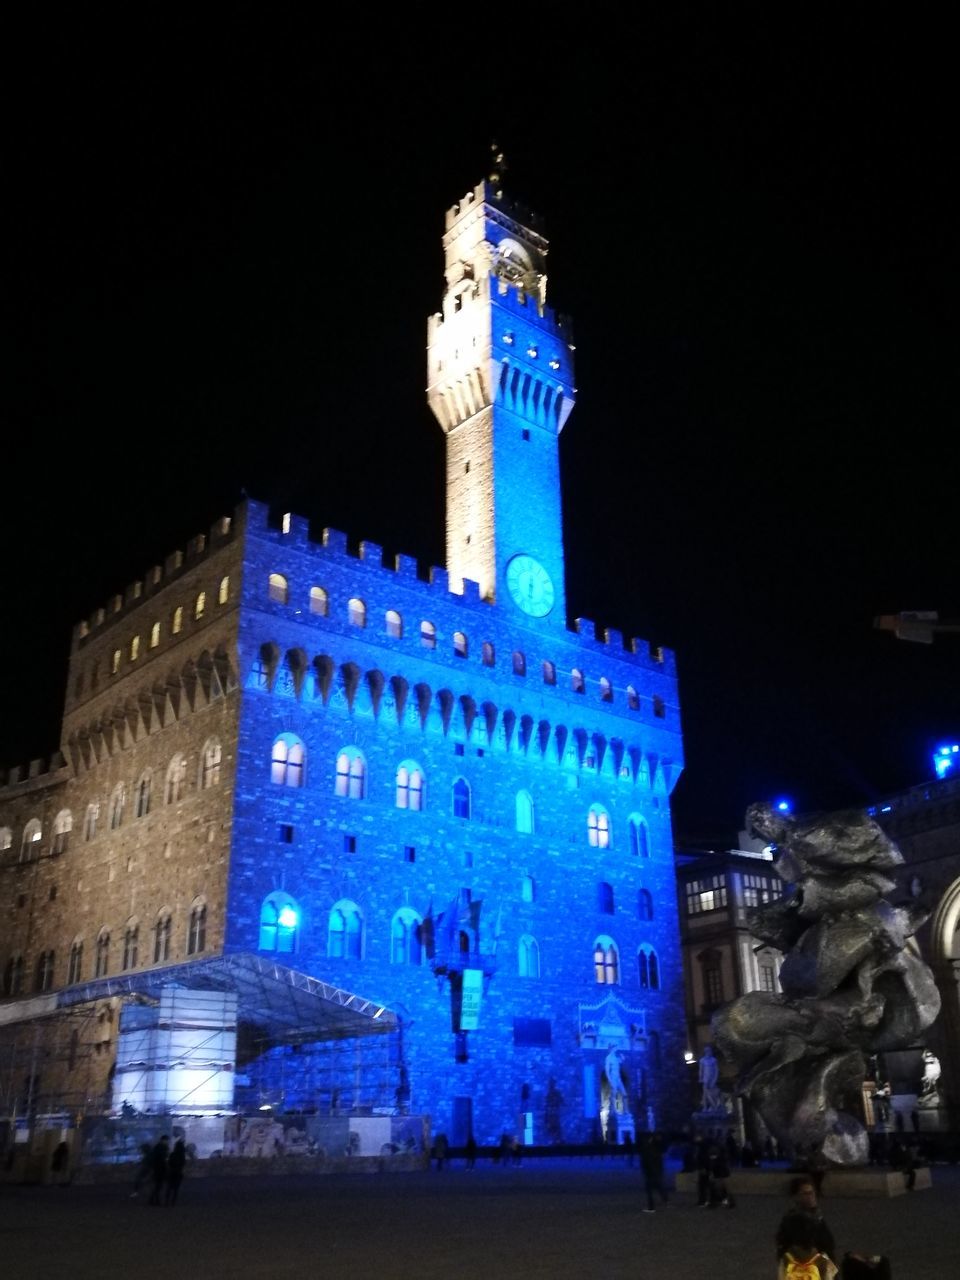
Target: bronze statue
x,y
850,989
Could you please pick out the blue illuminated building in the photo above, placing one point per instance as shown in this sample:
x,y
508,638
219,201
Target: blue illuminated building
x,y
418,792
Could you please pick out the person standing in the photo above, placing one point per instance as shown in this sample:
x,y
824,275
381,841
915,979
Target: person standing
x,y
651,1161
805,1201
471,1150
175,1167
158,1168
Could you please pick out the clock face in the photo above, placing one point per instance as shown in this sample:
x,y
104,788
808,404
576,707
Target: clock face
x,y
529,585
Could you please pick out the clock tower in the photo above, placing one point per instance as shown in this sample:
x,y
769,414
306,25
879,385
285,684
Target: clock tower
x,y
500,382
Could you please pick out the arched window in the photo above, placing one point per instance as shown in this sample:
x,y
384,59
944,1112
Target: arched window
x,y
649,968
351,774
223,591
75,967
197,935
103,954
394,624
577,683
549,673
460,646
605,898
6,839
659,707
62,826
318,602
200,606
91,818
134,648
606,961
13,976
154,635
210,767
428,635
277,590
176,777
598,827
118,802
279,924
141,796
528,889
287,761
645,904
43,979
528,957
461,798
161,937
405,945
356,612
606,690
639,837
345,933
487,654
519,663
409,786
633,698
131,945
115,662
525,813
30,843
176,625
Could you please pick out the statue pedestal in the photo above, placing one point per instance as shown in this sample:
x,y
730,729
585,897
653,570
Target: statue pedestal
x,y
713,1118
624,1125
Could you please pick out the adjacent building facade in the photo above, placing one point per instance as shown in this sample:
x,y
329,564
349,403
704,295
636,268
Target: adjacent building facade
x,y
344,835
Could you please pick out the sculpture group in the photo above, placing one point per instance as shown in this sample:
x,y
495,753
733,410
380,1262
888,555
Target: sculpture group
x,y
850,988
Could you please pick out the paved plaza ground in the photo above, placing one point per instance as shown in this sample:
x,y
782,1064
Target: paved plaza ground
x,y
544,1219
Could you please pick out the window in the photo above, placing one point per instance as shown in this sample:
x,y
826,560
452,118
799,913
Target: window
x,y
428,635
6,839
279,924
633,698
197,934
161,938
487,654
345,933
606,962
605,898
394,624
460,647
200,605
90,821
134,648
177,623
154,635
142,796
528,957
223,591
351,774
645,904
528,889
43,979
768,976
285,833
461,798
210,767
103,955
549,673
176,777
115,662
75,966
639,838
286,764
706,894
756,890
576,681
649,968
519,663
409,787
409,853
13,976
713,984
598,827
525,813
62,826
131,946
117,804
606,690
405,944
659,707
319,602
29,844
356,612
277,590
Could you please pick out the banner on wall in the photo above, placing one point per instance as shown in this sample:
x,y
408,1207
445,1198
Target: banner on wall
x,y
472,994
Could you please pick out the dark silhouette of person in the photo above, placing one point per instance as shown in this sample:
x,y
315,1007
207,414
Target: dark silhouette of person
x,y
158,1168
805,1201
441,1148
175,1166
651,1162
471,1150
703,1172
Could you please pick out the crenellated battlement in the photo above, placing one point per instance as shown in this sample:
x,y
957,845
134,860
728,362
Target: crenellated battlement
x,y
486,192
35,775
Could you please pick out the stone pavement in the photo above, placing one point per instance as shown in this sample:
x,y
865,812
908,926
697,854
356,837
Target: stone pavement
x,y
543,1219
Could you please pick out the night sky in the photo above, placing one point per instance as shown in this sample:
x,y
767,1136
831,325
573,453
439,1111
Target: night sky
x,y
223,244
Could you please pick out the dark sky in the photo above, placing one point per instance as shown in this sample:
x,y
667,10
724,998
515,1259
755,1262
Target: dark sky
x,y
223,242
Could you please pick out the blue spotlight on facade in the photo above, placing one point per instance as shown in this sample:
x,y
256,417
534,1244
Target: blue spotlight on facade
x,y
287,918
784,806
946,759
